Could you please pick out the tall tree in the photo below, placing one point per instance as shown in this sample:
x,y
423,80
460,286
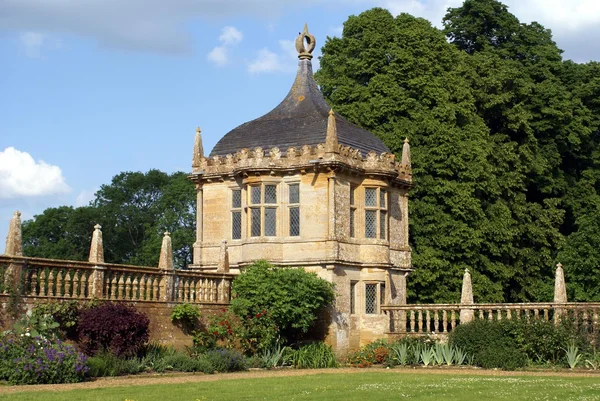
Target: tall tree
x,y
470,208
135,209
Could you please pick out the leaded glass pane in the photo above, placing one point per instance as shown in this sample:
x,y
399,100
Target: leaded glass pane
x,y
370,196
370,298
382,224
236,225
352,189
270,193
382,203
352,213
370,223
255,195
352,297
270,222
381,294
236,198
294,193
294,221
255,223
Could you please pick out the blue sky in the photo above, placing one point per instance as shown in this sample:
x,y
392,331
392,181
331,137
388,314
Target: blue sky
x,y
91,88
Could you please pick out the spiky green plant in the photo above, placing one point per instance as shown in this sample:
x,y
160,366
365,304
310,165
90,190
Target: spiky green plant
x,y
459,356
399,353
573,356
427,356
448,353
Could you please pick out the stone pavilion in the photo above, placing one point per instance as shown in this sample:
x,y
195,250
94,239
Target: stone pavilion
x,y
302,187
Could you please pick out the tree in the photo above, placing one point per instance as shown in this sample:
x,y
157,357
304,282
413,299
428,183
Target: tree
x,y
472,204
134,212
292,298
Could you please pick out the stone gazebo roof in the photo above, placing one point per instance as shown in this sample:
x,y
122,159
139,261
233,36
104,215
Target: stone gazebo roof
x,y
300,131
300,119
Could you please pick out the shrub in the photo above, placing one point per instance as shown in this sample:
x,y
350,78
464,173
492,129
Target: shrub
x,y
224,360
106,364
493,344
65,313
313,356
222,329
36,360
112,327
30,325
186,315
289,299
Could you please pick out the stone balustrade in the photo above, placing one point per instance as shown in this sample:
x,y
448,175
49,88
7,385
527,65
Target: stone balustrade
x,y
64,279
435,319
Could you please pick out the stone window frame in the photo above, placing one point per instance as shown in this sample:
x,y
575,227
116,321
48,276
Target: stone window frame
x,y
290,206
262,206
236,209
381,212
379,297
353,296
353,211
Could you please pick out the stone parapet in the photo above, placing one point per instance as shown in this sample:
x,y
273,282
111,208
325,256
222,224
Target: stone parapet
x,y
301,158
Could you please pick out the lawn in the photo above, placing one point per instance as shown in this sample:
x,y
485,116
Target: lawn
x,y
345,386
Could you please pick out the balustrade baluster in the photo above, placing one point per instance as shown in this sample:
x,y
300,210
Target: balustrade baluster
x,y
420,322
127,294
76,281
51,283
427,321
26,285
445,320
546,314
121,287
67,280
195,291
453,319
481,314
499,314
508,314
412,321
43,283
136,287
114,286
527,314
595,321
156,288
215,297
144,288
34,282
536,314
436,322
585,320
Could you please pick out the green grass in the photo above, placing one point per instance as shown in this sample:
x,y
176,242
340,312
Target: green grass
x,y
363,385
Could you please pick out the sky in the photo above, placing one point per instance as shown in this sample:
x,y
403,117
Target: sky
x,y
92,88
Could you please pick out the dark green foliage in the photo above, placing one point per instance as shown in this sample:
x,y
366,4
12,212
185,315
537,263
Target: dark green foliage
x,y
106,364
112,327
504,139
312,356
187,316
289,298
491,343
65,313
510,344
134,210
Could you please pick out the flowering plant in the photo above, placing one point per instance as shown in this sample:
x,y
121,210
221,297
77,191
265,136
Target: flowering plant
x,y
37,360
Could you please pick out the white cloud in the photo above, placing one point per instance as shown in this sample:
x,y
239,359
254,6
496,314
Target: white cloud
x,y
269,61
230,36
32,43
85,197
22,176
218,55
266,61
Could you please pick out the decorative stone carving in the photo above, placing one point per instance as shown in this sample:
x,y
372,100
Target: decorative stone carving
x,y
14,242
275,153
229,160
291,154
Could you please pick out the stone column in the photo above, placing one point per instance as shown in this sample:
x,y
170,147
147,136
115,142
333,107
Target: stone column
x,y
331,233
14,240
223,266
560,292
165,264
14,247
96,285
466,298
199,232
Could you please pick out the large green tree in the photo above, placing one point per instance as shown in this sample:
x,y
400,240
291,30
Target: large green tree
x,y
134,210
476,171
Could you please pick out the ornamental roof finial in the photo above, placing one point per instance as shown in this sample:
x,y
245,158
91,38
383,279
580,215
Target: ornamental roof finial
x,y
305,53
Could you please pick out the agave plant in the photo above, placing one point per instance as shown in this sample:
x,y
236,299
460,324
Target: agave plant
x,y
448,353
427,356
459,356
416,353
399,353
573,355
438,353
